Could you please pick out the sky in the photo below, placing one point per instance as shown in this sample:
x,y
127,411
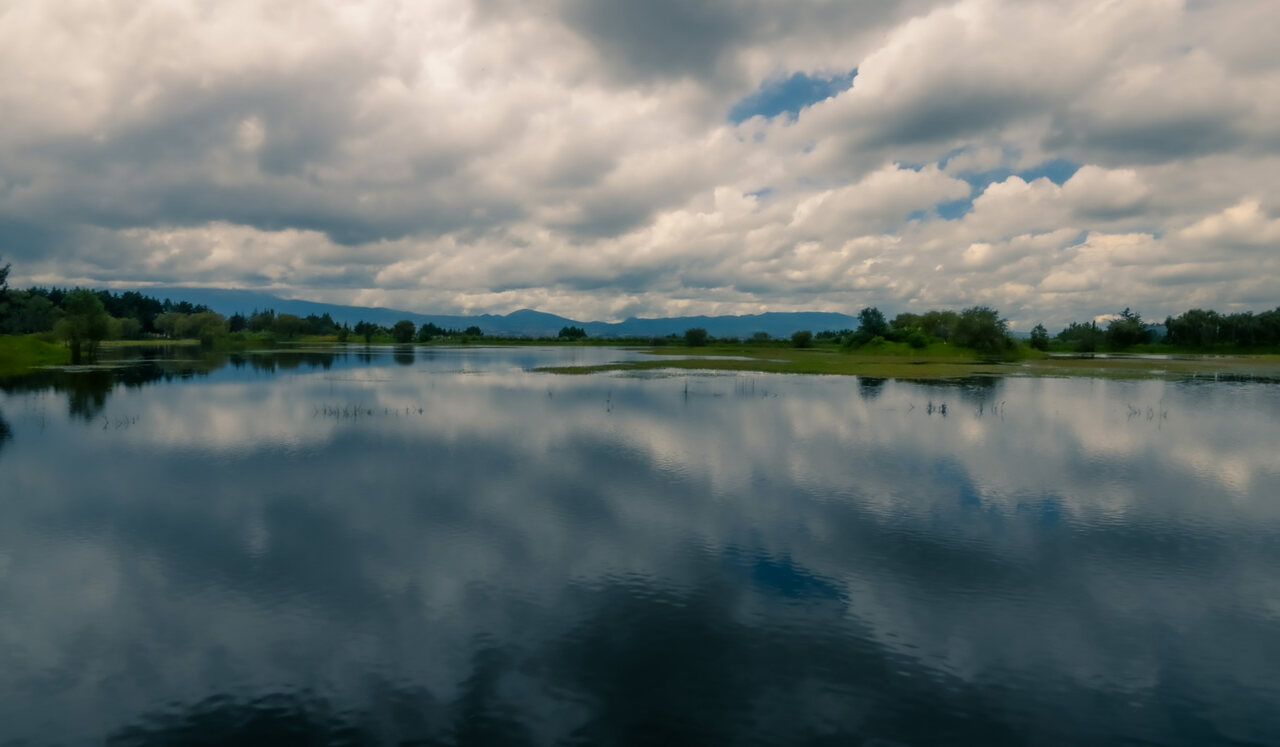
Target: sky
x,y
602,159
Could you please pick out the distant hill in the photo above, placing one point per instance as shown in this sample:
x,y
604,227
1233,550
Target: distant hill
x,y
522,323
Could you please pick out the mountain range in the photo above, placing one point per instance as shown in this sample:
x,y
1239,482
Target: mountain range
x,y
522,323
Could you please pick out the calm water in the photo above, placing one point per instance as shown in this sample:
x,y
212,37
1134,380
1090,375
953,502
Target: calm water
x,y
440,546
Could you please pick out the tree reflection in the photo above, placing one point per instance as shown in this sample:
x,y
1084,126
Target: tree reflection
x,y
6,433
870,388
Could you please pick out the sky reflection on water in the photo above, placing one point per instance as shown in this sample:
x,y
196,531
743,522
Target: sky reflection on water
x,y
447,547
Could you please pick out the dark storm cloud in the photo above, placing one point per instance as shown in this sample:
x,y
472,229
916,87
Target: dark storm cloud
x,y
1146,140
660,38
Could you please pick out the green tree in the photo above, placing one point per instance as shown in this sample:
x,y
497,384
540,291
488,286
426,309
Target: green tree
x,y
167,323
1039,337
288,326
1083,338
801,338
572,333
262,321
695,337
981,328
871,322
130,329
1127,330
4,296
429,330
473,331
29,312
205,326
84,322
402,331
366,330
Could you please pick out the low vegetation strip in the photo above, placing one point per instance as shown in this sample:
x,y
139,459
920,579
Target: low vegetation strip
x,y
932,364
888,360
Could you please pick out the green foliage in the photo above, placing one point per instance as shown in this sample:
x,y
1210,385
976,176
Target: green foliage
x,y
29,312
4,295
430,330
84,320
320,325
872,322
366,330
262,321
127,328
917,340
473,331
1127,331
760,337
572,333
695,337
1039,337
1082,338
402,331
982,329
288,326
1203,329
802,339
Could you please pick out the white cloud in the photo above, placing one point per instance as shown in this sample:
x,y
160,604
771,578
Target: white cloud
x,y
1243,224
487,156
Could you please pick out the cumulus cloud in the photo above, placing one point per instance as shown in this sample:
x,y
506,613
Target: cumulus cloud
x,y
584,158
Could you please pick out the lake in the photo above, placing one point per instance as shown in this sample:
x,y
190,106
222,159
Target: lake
x,y
442,546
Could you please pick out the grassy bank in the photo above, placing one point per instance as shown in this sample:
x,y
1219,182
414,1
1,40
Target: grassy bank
x,y
898,361
19,354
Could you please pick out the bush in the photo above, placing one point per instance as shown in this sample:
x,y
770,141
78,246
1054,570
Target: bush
x,y
695,337
802,338
917,340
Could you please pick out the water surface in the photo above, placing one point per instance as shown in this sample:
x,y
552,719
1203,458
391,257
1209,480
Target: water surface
x,y
440,546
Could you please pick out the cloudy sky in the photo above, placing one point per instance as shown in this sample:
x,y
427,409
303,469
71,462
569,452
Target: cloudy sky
x,y
607,158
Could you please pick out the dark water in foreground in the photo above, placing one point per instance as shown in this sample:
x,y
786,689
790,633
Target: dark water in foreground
x,y
439,547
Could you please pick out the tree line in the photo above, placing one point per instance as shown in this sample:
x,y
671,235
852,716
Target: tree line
x,y
82,318
1196,329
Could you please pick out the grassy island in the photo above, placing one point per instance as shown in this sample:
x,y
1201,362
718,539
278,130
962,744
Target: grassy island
x,y
937,361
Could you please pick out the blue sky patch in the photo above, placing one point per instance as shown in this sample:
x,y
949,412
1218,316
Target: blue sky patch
x,y
1058,171
789,95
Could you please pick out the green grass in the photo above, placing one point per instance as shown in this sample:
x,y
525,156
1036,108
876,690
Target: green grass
x,y
20,354
938,361
887,360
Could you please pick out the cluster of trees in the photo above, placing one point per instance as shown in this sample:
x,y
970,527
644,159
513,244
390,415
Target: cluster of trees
x,y
1197,329
1121,333
39,309
978,327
